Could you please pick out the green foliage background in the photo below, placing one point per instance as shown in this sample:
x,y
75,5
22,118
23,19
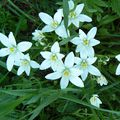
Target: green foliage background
x,y
33,97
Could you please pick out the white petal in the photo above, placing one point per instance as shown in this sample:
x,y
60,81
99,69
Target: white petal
x,y
4,52
77,60
93,70
20,70
58,16
46,54
76,81
82,35
84,75
47,19
71,4
83,51
12,39
23,46
91,34
45,65
60,56
53,76
48,28
76,40
91,60
34,64
94,42
79,8
69,60
64,82
55,48
4,40
118,70
10,62
75,72
57,66
76,22
27,70
84,18
90,51
61,31
118,57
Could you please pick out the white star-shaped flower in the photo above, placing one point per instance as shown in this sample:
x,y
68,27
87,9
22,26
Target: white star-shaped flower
x,y
11,49
94,100
54,24
75,15
53,59
67,72
85,64
85,42
38,35
102,80
25,64
118,67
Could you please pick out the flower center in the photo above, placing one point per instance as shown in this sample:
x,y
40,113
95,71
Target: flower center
x,y
54,24
86,42
53,57
72,15
84,64
12,49
25,62
66,73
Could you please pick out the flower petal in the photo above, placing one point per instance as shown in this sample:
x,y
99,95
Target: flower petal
x,y
91,34
58,16
64,82
84,18
12,39
76,40
94,42
4,40
4,52
10,62
118,57
76,72
46,54
45,65
20,70
76,81
84,75
76,22
53,76
47,19
79,8
91,60
60,56
48,28
71,4
27,70
55,48
94,71
23,46
69,60
34,64
90,51
118,70
82,35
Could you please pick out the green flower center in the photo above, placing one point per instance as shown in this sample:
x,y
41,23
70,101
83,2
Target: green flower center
x,y
54,24
25,62
66,73
12,49
86,42
72,15
53,57
84,64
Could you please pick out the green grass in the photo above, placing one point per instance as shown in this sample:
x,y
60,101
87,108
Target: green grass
x,y
34,97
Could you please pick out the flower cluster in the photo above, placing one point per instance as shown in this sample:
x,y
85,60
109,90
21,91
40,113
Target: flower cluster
x,y
75,68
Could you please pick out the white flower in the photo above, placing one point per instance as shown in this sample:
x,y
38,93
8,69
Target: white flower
x,y
102,80
75,15
85,64
94,100
25,64
118,68
53,59
54,24
38,35
67,72
85,42
11,49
